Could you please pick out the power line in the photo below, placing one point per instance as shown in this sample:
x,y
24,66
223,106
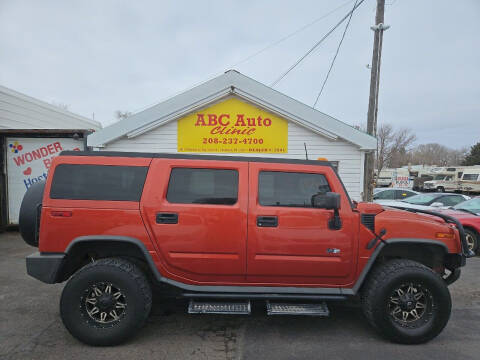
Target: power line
x,y
316,45
335,57
275,43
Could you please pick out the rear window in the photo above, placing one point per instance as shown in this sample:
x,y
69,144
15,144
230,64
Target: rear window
x,y
203,186
98,182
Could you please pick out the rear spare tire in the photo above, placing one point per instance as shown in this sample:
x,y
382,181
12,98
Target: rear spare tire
x,y
406,301
106,302
29,218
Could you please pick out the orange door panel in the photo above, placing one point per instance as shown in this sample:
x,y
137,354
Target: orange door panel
x,y
294,245
197,242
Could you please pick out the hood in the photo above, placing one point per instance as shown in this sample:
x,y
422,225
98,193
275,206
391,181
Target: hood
x,y
459,214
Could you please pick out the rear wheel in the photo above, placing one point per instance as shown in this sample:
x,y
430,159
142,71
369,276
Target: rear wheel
x,y
472,240
406,301
106,302
440,189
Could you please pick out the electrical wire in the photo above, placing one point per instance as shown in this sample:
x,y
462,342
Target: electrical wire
x,y
335,56
286,37
316,45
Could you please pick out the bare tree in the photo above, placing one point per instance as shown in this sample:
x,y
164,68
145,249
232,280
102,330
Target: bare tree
x,y
393,146
121,115
437,154
384,138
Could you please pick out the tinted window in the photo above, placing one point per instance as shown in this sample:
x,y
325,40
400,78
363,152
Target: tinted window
x,y
290,189
98,182
203,186
384,195
402,194
451,200
470,177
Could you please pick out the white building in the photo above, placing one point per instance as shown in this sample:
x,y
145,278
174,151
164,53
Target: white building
x,y
32,132
234,114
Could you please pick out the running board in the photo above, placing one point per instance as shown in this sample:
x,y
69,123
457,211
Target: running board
x,y
276,308
204,307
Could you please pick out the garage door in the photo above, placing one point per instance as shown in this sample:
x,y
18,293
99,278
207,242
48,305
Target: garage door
x,y
28,161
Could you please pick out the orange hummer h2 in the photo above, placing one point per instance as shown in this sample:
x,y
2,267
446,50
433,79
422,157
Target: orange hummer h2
x,y
223,231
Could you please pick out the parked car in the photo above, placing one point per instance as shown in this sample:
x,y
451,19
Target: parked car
x,y
468,213
222,231
392,194
428,201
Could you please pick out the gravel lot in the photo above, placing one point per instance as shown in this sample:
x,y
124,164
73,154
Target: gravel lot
x,y
31,328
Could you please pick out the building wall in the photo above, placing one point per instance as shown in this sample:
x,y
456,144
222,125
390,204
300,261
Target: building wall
x,y
164,139
19,111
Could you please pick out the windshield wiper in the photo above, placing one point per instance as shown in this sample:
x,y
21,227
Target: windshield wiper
x,y
468,211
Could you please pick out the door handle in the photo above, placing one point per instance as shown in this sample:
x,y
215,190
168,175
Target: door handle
x,y
267,221
167,218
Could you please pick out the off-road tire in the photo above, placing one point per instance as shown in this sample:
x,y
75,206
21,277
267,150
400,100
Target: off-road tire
x,y
383,282
476,237
136,293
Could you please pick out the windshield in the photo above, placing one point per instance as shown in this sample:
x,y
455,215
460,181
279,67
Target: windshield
x,y
472,205
420,199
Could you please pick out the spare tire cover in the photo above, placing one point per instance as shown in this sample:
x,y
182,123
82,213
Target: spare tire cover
x,y
27,221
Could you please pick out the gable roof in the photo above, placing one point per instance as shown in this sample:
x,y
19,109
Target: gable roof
x,y
19,111
232,83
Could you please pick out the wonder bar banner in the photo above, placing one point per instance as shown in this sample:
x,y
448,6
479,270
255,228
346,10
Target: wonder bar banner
x,y
232,126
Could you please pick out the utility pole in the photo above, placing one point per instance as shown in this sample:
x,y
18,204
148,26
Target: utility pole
x,y
373,98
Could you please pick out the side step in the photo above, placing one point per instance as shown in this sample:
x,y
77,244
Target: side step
x,y
319,309
204,307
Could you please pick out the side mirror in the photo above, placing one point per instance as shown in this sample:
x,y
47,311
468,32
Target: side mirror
x,y
437,204
329,201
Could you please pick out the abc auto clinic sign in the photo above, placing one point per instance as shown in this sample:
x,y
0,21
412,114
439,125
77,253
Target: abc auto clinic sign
x,y
28,161
232,126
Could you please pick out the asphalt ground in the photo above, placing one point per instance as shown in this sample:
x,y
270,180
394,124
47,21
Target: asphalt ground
x,y
31,328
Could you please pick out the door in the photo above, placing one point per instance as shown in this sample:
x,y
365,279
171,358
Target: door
x,y
289,242
196,211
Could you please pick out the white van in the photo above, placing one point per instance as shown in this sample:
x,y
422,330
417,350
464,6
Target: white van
x,y
470,181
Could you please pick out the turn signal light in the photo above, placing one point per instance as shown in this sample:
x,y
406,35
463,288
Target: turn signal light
x,y
441,235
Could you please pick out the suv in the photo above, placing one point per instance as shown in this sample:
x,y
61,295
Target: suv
x,y
223,231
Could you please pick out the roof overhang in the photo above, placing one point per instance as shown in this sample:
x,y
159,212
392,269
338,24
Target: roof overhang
x,y
232,83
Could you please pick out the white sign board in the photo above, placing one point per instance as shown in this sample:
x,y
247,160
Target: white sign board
x,y
402,181
28,161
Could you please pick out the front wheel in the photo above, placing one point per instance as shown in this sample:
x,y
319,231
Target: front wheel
x,y
406,301
106,302
472,240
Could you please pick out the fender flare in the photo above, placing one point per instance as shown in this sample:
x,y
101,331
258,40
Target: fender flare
x,y
373,257
119,239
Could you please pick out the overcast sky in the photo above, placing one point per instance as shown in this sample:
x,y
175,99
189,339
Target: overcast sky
x,y
101,56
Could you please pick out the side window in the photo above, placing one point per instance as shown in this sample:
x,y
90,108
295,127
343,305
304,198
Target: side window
x,y
449,178
98,182
384,195
277,188
402,194
203,186
451,200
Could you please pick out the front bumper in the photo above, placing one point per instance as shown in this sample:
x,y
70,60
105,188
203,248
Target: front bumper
x,y
45,267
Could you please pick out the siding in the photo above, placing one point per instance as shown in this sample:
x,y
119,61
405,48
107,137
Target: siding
x,y
350,158
19,111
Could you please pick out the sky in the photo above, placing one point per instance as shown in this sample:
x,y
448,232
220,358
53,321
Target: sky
x,y
101,56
